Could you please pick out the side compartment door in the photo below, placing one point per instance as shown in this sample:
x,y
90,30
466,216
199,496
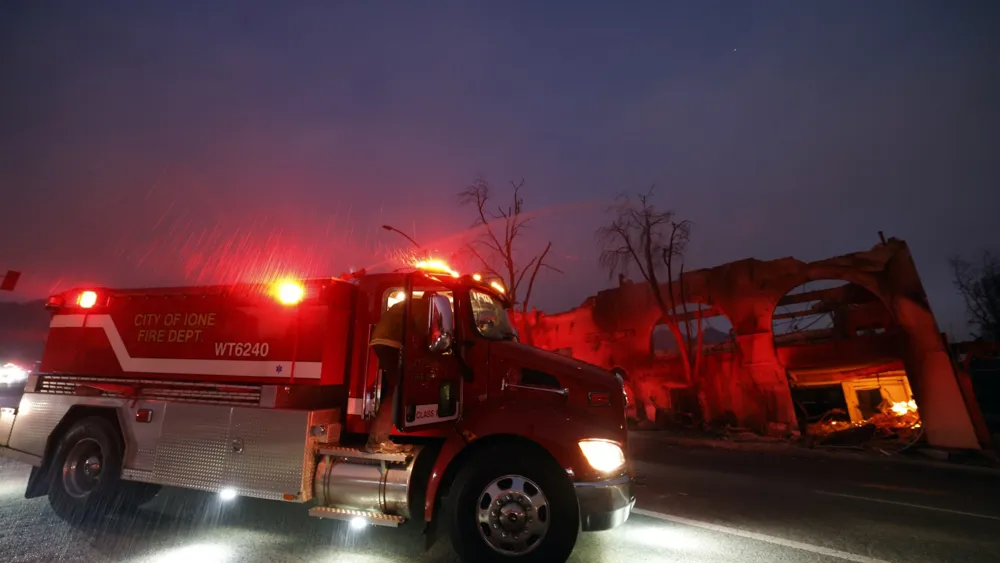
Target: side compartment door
x,y
432,376
193,447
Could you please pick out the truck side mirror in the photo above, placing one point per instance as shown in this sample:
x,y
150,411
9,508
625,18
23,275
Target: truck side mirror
x,y
441,328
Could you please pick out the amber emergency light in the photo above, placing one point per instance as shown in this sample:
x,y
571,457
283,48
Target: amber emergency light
x,y
438,266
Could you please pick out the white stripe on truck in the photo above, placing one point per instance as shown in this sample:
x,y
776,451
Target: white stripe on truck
x,y
233,368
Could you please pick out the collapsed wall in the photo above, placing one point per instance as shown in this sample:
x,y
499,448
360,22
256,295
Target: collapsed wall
x,y
880,322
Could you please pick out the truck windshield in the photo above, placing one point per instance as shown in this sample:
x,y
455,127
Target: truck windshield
x,y
491,318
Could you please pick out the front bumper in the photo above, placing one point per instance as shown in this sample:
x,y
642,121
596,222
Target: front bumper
x,y
604,504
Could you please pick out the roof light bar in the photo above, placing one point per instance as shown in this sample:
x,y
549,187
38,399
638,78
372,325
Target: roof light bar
x,y
439,266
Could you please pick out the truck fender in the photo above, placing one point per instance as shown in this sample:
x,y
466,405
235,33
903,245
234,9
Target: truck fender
x,y
449,450
38,479
447,462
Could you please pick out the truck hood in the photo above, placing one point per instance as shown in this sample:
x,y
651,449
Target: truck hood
x,y
569,371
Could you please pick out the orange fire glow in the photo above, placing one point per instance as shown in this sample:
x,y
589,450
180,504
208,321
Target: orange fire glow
x,y
903,407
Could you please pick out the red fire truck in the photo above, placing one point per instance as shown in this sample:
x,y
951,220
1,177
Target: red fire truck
x,y
269,391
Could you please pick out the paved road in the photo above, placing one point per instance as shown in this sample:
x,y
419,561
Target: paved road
x,y
696,506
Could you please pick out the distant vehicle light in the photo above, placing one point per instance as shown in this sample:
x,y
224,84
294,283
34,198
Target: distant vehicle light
x,y
11,373
439,266
87,299
290,293
496,285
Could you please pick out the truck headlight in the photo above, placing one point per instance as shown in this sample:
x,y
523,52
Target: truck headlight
x,y
603,455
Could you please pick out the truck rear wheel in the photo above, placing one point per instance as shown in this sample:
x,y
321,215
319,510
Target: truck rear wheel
x,y
86,471
510,504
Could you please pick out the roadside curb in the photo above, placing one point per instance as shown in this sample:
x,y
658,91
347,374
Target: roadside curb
x,y
784,448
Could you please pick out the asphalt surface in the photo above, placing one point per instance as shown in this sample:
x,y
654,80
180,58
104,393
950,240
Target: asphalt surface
x,y
695,506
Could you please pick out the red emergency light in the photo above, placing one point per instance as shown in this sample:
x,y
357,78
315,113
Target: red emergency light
x,y
289,292
82,299
87,299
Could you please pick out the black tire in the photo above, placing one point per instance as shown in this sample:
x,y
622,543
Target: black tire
x,y
85,472
561,515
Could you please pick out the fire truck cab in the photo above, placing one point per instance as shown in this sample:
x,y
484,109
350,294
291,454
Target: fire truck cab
x,y
269,391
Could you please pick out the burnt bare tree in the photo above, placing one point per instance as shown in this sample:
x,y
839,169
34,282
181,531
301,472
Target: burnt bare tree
x,y
643,237
979,285
496,245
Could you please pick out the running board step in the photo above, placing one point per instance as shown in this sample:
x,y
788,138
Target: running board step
x,y
373,518
334,450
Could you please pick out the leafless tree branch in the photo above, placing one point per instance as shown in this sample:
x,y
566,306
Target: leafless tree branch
x,y
979,285
640,235
496,247
483,261
538,261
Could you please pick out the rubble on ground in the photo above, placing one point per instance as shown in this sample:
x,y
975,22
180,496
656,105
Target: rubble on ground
x,y
894,428
897,425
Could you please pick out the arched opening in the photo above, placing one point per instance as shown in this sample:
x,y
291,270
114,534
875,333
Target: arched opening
x,y
716,331
843,354
828,309
697,392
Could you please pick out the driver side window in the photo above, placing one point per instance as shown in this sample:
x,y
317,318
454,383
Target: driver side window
x,y
487,314
396,296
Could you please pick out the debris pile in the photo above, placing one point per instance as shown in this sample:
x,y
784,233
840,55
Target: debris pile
x,y
895,422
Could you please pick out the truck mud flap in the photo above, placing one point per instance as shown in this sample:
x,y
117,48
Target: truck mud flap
x,y
38,483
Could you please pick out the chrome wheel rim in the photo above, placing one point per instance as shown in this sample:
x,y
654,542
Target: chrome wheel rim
x,y
513,515
82,469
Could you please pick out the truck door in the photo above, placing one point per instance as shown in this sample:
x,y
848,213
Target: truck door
x,y
431,376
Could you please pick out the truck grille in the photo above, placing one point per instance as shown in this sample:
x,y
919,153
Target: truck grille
x,y
146,389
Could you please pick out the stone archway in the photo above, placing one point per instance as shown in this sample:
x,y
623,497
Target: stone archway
x,y
866,377
618,323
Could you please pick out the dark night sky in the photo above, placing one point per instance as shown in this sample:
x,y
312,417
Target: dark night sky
x,y
163,142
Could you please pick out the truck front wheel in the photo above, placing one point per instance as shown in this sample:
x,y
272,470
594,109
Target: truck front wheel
x,y
86,470
510,503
